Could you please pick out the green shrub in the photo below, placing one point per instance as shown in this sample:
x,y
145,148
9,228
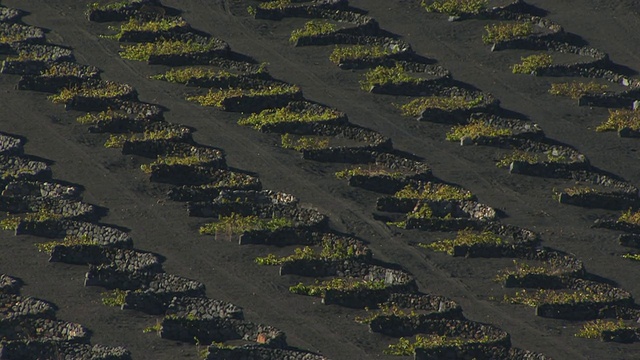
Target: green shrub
x,y
161,24
476,129
183,75
630,217
573,191
544,296
343,284
142,51
234,180
107,115
594,329
66,69
217,98
456,7
236,223
157,328
11,221
360,52
117,141
532,63
114,298
506,31
523,269
530,158
12,38
276,4
286,114
385,309
360,171
576,89
193,160
28,56
446,103
423,211
311,28
434,192
518,155
405,347
303,143
634,257
465,238
116,5
579,190
555,156
15,172
330,250
382,75
620,119
69,240
105,90
220,345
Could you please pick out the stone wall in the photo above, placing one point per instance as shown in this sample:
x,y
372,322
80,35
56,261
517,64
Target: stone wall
x,y
258,353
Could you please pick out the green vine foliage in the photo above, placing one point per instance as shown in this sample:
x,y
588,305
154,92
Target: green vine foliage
x,y
236,223
312,28
385,309
620,119
275,4
381,76
630,217
634,257
106,90
544,296
360,171
405,347
508,31
142,51
456,7
465,238
117,141
194,160
217,98
533,63
116,5
434,192
288,115
577,89
360,52
423,211
11,221
330,250
524,269
447,103
342,284
594,329
155,26
518,155
69,240
106,116
157,328
114,298
303,142
579,190
186,74
476,129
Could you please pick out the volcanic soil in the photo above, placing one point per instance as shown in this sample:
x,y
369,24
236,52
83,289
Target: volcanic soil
x,y
113,181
